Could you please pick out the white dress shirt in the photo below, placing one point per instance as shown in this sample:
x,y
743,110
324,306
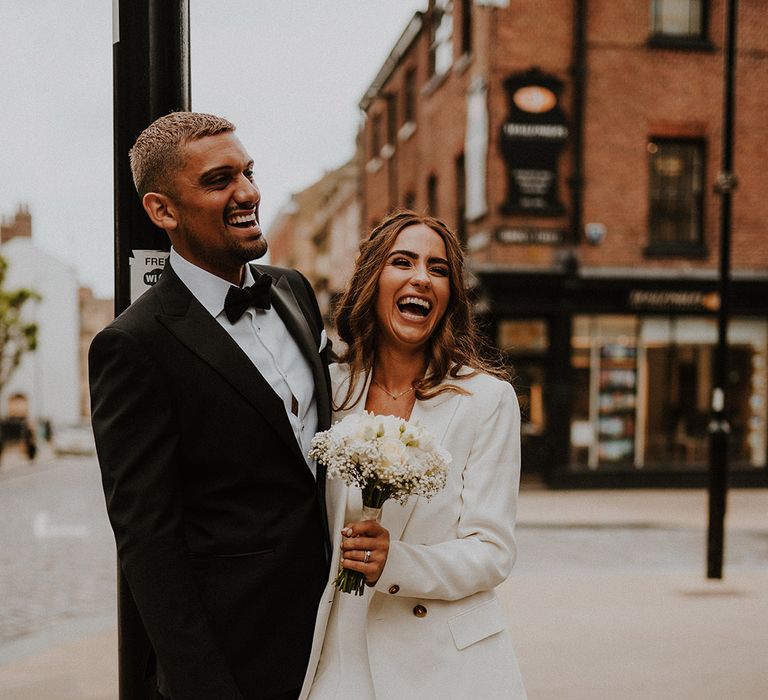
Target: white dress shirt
x,y
263,337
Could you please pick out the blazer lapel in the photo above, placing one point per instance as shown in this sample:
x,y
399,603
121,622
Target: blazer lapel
x,y
193,326
435,415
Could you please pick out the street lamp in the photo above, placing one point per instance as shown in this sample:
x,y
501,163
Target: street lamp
x,y
719,427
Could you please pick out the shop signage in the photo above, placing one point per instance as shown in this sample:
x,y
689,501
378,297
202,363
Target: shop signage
x,y
531,236
532,137
678,300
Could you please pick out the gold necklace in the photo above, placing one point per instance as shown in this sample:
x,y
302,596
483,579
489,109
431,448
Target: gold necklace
x,y
394,397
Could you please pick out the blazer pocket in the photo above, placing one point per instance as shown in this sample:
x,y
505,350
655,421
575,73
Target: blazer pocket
x,y
477,623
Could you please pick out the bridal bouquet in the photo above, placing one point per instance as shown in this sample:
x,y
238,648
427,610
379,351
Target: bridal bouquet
x,y
386,457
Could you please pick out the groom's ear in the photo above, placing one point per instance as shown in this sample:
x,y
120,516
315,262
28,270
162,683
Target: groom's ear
x,y
161,210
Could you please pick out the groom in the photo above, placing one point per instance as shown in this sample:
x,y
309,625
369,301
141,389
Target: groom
x,y
205,397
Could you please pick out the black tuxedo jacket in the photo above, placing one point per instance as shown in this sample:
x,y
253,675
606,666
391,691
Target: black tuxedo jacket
x,y
220,525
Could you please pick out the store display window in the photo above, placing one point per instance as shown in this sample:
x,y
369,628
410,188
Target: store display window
x,y
525,343
643,386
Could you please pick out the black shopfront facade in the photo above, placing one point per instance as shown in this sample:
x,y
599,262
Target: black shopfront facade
x,y
614,374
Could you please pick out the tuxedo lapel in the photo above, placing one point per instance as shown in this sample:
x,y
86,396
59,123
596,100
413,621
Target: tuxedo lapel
x,y
287,306
193,326
289,310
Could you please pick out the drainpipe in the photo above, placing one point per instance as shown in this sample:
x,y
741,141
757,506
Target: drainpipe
x,y
578,76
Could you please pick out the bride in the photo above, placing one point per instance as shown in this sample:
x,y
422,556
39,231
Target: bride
x,y
431,625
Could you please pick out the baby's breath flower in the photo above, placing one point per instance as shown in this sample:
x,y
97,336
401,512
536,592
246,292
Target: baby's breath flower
x,y
382,454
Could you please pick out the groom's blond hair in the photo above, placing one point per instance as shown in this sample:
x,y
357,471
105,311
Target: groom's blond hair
x,y
158,153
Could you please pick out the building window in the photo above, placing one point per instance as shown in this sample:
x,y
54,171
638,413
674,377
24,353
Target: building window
x,y
677,17
376,135
525,345
679,23
391,118
676,197
409,200
432,195
466,26
408,111
409,96
461,200
441,37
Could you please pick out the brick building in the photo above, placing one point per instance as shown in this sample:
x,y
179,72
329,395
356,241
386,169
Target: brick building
x,y
574,146
318,232
95,314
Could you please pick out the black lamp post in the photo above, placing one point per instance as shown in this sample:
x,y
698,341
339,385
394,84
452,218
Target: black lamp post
x,y
151,77
719,427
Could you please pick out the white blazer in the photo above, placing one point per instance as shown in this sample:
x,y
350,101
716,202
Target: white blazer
x,y
435,628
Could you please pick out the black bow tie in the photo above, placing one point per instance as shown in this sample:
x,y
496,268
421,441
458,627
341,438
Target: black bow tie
x,y
240,298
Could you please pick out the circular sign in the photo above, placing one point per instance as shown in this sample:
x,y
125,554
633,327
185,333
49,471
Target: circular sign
x,y
535,99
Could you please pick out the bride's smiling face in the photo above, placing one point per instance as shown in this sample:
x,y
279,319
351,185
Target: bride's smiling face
x,y
413,289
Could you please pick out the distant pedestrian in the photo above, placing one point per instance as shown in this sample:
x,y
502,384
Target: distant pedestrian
x,y
30,444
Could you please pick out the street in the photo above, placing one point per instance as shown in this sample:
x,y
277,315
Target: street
x,y
57,561
607,600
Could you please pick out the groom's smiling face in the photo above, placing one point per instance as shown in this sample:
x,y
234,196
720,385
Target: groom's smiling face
x,y
215,204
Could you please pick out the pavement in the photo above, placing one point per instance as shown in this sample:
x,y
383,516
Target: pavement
x,y
621,609
608,601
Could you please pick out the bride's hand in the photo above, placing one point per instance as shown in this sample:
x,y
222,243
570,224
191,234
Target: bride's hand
x,y
364,548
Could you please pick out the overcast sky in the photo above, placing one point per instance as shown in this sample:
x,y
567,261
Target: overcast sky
x,y
289,73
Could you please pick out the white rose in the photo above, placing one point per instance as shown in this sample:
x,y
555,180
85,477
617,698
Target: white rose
x,y
390,427
427,441
392,452
346,427
368,430
414,435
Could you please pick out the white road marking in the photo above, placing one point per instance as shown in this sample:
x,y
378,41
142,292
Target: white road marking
x,y
44,530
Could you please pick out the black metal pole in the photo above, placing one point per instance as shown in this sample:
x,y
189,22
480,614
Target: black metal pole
x,y
151,77
719,426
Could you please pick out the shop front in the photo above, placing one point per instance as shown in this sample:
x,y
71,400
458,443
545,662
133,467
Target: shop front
x,y
615,376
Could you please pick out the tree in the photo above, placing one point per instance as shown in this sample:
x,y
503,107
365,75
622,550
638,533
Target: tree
x,y
17,337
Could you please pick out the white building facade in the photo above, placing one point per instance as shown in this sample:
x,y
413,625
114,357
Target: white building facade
x,y
49,377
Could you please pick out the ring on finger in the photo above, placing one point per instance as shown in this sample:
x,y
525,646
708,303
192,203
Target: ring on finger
x,y
367,556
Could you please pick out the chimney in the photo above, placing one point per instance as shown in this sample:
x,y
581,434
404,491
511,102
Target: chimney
x,y
19,225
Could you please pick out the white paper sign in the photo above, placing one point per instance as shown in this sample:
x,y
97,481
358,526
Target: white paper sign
x,y
146,266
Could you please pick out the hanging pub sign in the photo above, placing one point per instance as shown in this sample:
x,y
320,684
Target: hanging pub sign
x,y
532,138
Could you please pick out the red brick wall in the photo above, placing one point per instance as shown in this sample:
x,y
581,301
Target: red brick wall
x,y
633,93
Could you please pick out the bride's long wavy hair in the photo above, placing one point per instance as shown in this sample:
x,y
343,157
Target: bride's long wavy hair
x,y
456,342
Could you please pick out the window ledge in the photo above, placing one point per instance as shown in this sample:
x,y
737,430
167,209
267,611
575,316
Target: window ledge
x,y
373,165
679,250
479,241
434,83
682,43
464,61
406,130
